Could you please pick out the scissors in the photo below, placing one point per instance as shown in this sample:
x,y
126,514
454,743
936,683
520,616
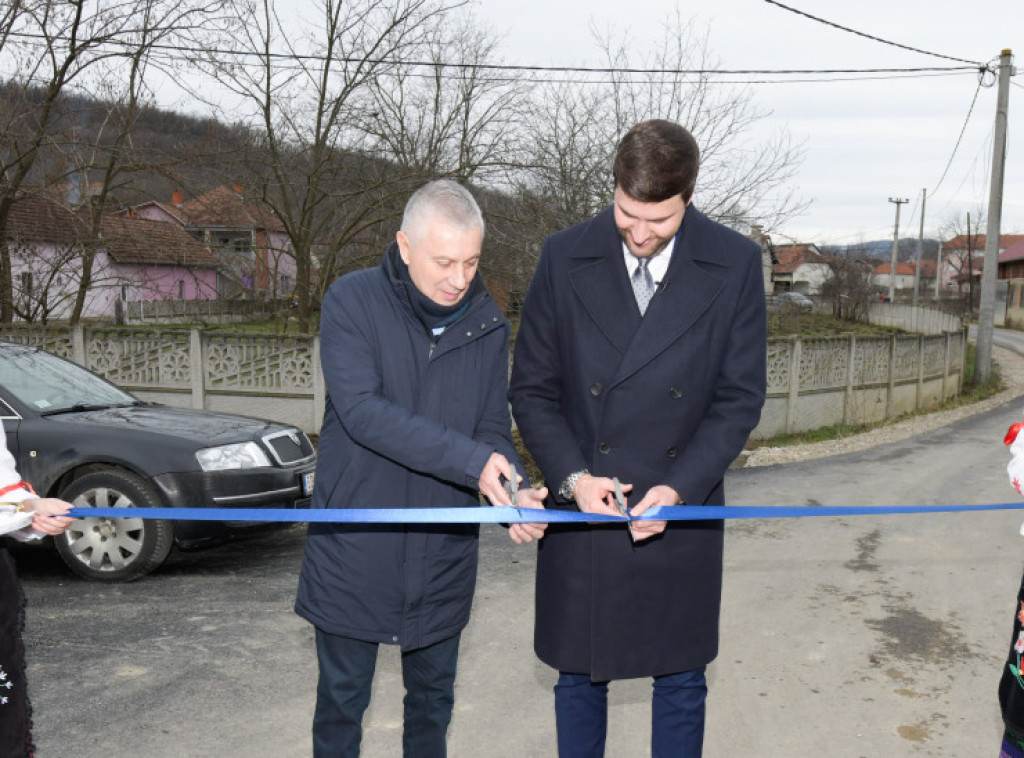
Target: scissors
x,y
512,488
620,499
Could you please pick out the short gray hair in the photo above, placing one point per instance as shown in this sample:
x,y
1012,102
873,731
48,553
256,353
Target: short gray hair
x,y
444,199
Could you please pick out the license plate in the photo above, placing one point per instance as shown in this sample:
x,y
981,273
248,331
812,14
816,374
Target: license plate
x,y
307,483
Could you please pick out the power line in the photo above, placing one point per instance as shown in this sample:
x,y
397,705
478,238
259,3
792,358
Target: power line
x,y
872,37
507,67
963,129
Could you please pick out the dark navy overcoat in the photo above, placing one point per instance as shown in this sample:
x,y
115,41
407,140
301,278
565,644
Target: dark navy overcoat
x,y
407,424
667,398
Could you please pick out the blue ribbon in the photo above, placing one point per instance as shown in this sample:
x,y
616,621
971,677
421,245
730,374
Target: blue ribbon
x,y
506,515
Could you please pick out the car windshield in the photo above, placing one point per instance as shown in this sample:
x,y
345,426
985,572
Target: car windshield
x,y
52,385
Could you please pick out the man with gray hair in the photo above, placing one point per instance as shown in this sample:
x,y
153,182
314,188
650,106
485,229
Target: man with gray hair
x,y
415,358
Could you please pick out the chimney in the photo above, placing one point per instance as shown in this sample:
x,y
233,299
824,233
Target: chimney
x,y
177,198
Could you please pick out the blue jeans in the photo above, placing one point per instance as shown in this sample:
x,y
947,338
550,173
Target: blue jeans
x,y
343,692
677,715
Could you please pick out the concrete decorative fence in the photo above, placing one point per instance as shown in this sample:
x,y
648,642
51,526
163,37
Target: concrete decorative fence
x,y
848,380
811,382
919,320
267,376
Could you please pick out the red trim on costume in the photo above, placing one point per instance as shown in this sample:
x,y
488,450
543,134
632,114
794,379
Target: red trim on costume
x,y
17,486
1011,434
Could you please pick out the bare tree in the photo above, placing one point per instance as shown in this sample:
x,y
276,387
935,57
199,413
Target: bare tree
x,y
50,48
963,253
848,287
302,92
577,128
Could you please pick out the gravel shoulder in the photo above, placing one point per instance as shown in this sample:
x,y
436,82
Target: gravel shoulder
x,y
1011,369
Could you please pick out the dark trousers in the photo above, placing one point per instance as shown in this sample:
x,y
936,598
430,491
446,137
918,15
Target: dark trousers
x,y
343,692
677,715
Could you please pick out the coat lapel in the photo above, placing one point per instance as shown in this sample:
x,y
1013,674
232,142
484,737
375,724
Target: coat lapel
x,y
598,278
694,280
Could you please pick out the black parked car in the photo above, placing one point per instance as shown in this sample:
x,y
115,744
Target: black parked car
x,y
81,438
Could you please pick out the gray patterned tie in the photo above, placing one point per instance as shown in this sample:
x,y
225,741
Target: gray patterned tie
x,y
643,284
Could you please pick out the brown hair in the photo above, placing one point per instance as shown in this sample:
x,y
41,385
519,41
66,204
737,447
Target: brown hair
x,y
657,160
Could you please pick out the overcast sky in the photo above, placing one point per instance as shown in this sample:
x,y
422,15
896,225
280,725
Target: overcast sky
x,y
865,141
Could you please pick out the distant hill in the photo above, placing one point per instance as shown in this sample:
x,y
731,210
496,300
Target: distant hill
x,y
882,249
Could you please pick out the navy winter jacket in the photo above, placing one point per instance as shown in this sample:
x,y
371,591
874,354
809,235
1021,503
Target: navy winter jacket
x,y
408,423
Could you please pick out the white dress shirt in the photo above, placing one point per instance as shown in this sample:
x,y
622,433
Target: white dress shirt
x,y
658,265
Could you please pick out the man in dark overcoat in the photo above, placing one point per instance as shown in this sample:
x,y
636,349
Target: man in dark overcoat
x,y
415,359
640,356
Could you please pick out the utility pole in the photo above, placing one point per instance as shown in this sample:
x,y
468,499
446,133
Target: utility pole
x,y
920,248
970,269
895,249
987,307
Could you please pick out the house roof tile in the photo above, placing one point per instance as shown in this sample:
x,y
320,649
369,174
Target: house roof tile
x,y
1013,252
138,240
229,208
792,256
978,241
39,219
906,268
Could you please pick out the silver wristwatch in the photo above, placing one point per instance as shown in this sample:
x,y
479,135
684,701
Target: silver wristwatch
x,y
569,484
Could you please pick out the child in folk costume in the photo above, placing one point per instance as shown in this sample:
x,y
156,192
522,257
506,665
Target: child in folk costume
x,y
1011,686
23,516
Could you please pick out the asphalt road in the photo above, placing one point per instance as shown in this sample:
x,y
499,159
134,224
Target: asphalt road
x,y
855,636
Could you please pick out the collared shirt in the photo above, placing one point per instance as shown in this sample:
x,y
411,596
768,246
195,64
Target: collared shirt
x,y
658,265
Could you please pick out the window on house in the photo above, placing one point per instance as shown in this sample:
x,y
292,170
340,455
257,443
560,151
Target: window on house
x,y
26,283
181,289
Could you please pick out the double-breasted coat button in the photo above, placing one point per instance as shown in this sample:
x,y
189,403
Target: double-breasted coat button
x,y
675,393
671,452
604,448
596,389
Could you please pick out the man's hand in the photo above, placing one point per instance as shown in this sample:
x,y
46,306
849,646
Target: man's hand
x,y
596,494
47,518
523,533
662,494
497,466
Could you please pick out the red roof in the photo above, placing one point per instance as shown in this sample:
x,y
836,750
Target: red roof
x,y
139,240
1014,252
228,207
37,219
907,269
978,242
792,256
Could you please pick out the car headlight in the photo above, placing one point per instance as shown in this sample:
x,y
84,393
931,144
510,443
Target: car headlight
x,y
237,455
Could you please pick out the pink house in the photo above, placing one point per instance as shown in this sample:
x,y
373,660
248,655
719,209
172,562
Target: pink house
x,y
246,235
955,269
135,259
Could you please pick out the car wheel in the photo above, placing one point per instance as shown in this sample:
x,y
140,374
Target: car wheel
x,y
114,549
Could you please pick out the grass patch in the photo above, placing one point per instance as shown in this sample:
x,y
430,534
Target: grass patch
x,y
790,323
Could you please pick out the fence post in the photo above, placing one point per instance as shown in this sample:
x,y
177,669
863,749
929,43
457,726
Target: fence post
x,y
963,358
890,401
795,348
319,387
848,395
78,352
918,400
198,368
945,366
